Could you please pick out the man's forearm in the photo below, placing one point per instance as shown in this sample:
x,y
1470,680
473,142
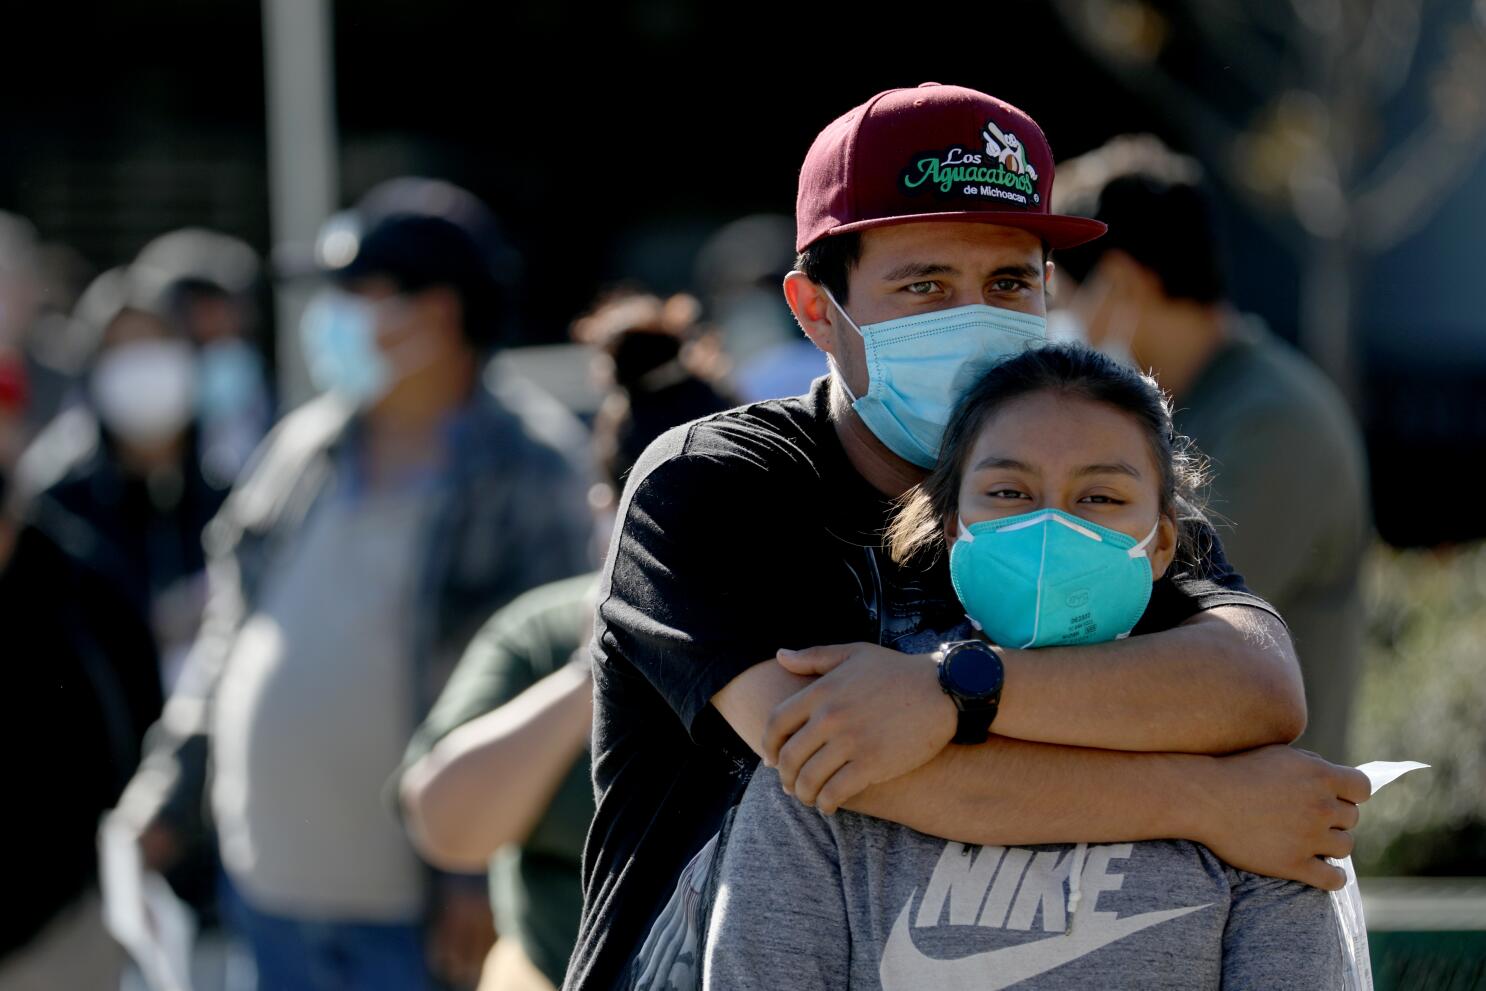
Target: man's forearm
x,y
1013,792
1226,681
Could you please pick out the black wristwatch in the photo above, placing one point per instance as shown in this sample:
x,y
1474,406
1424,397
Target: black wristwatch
x,y
971,673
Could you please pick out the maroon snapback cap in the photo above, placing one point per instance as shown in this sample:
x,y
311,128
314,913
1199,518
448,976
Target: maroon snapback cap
x,y
933,152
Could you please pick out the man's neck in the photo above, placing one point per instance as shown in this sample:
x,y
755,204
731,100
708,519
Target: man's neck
x,y
883,470
1180,341
402,429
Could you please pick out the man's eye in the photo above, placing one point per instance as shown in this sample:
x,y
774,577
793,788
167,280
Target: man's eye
x,y
1007,285
921,288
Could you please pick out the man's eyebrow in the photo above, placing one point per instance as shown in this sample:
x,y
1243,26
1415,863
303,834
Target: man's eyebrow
x,y
919,270
1031,272
996,461
1111,468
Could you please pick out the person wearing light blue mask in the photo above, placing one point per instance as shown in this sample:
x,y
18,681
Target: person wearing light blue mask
x,y
1063,498
796,639
375,529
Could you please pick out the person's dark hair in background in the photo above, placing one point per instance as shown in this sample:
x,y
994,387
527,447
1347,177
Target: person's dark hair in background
x,y
1158,211
660,371
1287,457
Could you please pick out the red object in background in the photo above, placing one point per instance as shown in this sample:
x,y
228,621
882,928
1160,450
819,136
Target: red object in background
x,y
13,391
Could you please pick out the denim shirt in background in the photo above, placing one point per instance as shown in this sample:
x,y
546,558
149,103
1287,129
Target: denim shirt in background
x,y
510,513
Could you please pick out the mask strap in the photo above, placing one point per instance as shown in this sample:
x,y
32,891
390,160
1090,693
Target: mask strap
x,y
842,310
830,358
841,379
965,533
1139,549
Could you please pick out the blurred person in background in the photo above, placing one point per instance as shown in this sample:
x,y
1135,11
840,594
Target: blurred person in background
x,y
738,272
18,278
40,284
498,774
83,685
120,461
372,533
1288,462
214,283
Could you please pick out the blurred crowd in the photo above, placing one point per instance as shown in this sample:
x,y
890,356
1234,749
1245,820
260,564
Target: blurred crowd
x,y
326,663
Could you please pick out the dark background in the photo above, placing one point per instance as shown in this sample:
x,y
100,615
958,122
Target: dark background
x,y
611,140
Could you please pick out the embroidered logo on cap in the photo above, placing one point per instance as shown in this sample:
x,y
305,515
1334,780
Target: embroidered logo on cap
x,y
1001,171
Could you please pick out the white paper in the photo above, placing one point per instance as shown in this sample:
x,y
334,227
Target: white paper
x,y
141,911
1347,903
1382,772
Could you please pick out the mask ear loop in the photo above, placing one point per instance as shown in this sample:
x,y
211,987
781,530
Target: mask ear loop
x,y
1139,549
830,358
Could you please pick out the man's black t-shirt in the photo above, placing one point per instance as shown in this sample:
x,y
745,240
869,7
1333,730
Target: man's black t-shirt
x,y
741,533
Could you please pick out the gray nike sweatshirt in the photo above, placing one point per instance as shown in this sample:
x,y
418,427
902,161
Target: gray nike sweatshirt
x,y
817,902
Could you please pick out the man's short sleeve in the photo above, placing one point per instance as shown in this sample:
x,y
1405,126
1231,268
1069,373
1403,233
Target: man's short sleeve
x,y
1184,592
707,577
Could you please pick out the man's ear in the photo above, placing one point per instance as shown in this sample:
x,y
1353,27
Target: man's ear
x,y
1162,548
812,309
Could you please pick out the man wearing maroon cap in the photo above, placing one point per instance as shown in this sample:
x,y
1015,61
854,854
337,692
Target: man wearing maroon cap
x,y
925,212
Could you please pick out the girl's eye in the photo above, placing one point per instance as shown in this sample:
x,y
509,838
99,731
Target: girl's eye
x,y
1006,494
1102,500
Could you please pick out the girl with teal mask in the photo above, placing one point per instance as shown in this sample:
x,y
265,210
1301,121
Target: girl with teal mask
x,y
1062,493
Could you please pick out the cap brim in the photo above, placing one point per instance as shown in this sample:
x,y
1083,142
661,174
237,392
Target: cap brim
x,y
1057,230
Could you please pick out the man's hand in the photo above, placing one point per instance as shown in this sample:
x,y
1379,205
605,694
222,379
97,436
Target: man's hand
x,y
1278,811
871,715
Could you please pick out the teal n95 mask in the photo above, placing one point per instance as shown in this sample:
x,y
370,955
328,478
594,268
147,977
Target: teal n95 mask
x,y
918,367
1047,578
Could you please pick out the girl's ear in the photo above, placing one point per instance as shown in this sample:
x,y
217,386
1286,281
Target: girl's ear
x,y
951,531
1162,549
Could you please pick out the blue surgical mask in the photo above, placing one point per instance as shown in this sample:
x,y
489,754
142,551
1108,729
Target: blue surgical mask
x,y
1047,579
338,333
918,366
231,380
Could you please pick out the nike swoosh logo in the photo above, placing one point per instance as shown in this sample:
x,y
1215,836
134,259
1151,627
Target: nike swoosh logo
x,y
905,968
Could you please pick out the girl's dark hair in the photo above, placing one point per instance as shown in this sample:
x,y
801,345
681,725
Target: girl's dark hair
x,y
1067,369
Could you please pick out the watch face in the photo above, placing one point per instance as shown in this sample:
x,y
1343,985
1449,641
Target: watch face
x,y
973,672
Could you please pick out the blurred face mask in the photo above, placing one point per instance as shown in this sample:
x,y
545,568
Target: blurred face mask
x,y
338,333
339,336
231,379
145,391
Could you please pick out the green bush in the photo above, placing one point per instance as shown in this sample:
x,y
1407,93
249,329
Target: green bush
x,y
1423,697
